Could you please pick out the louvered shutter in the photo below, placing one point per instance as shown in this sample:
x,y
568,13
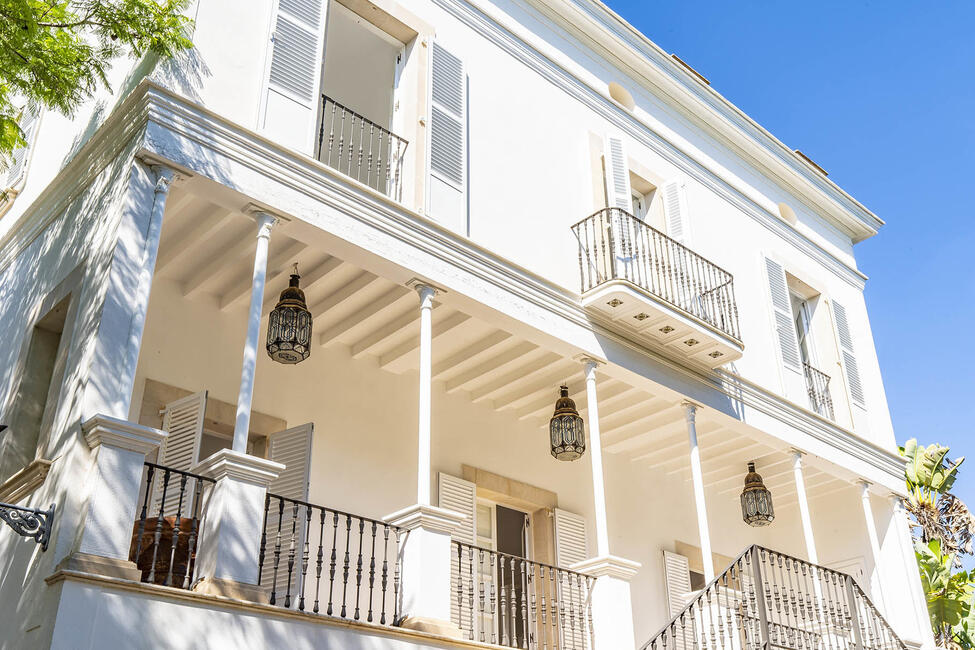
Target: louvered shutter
x,y
458,495
448,138
675,210
677,580
292,448
183,420
571,546
28,124
617,175
849,357
785,330
294,73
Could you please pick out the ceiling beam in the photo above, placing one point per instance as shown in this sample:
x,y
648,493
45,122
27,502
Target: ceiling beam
x,y
471,352
546,385
491,365
226,257
644,426
439,329
340,295
387,331
380,304
308,279
242,289
523,372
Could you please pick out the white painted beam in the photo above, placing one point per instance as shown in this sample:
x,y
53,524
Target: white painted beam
x,y
377,306
241,290
220,261
439,329
502,359
471,352
337,297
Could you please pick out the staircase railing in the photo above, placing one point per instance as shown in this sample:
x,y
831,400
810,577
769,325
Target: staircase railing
x,y
765,599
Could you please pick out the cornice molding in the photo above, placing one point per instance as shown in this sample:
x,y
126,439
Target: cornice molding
x,y
593,21
641,132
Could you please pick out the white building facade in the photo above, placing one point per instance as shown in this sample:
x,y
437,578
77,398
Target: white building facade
x,y
486,200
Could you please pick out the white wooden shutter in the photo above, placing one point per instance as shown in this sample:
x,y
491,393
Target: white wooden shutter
x,y
677,578
448,139
848,356
675,210
457,495
29,119
793,378
294,73
617,175
183,420
291,447
460,496
571,541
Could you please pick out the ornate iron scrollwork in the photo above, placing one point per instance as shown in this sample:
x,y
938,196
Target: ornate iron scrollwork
x,y
29,522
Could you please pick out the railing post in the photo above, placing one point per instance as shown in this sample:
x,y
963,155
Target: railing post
x,y
760,604
233,524
119,451
854,614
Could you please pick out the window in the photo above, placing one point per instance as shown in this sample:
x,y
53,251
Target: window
x,y
801,317
36,397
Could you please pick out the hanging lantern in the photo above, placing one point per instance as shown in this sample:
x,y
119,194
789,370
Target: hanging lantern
x,y
289,325
756,500
566,428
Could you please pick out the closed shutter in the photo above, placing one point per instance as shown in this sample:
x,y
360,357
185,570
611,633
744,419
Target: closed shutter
x,y
183,420
785,331
29,119
448,139
292,448
617,175
295,72
571,546
458,495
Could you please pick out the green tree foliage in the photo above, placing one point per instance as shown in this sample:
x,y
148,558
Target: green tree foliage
x,y
55,53
942,528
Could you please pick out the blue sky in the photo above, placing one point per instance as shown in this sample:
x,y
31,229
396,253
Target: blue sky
x,y
882,95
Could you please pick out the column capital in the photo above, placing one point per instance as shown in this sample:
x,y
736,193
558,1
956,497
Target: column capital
x,y
113,432
797,454
430,518
589,363
265,218
165,176
690,410
608,565
864,484
424,288
242,467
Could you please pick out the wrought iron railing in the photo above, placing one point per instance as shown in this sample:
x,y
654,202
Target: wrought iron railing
x,y
766,599
32,523
329,562
817,385
164,539
360,148
510,601
615,245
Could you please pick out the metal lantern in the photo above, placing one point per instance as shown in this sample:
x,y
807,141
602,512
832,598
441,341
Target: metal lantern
x,y
289,325
566,428
756,500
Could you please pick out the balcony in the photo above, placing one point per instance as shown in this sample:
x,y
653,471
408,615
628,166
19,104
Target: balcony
x,y
649,285
817,385
361,149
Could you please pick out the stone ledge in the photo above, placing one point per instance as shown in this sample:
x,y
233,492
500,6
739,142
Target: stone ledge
x,y
22,484
112,432
608,565
252,608
101,566
232,589
239,466
431,518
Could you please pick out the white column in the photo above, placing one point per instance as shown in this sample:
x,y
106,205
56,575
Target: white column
x,y
697,478
596,457
233,521
807,529
242,424
909,613
119,451
874,543
426,378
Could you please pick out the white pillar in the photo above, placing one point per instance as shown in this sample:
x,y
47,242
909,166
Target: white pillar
x,y
119,451
697,478
242,424
874,543
612,604
807,529
426,378
233,521
596,457
909,613
425,554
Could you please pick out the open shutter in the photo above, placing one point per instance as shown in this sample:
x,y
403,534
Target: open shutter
x,y
294,73
792,376
617,175
292,448
677,575
448,140
458,495
571,546
851,370
28,124
675,210
183,420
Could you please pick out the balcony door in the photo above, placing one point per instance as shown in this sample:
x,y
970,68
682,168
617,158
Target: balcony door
x,y
506,530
